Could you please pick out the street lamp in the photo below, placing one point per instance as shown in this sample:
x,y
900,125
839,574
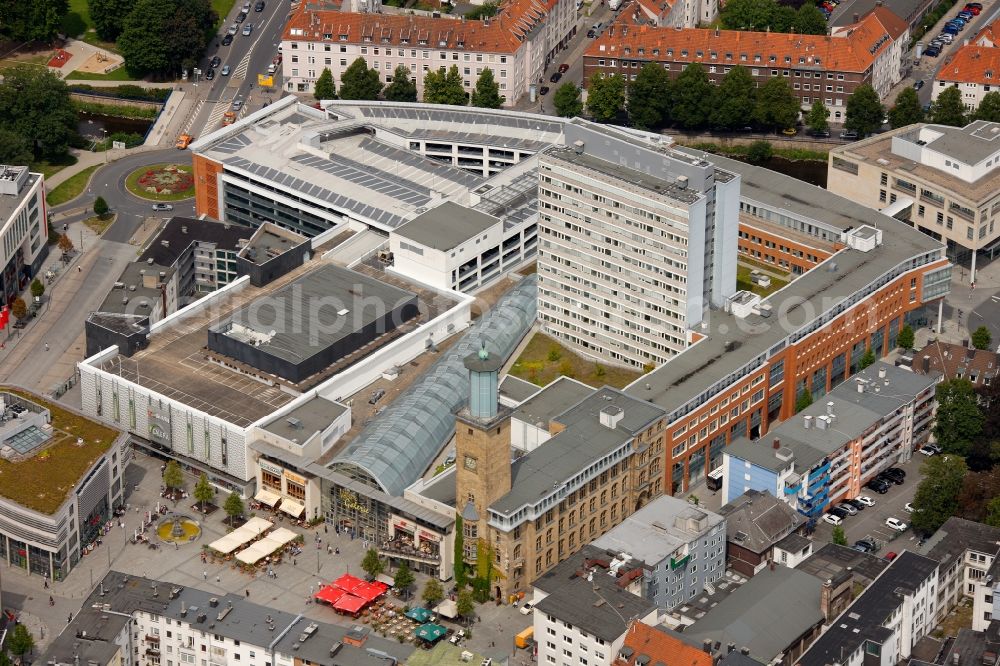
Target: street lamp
x,y
106,147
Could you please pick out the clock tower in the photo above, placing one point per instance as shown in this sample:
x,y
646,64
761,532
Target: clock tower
x,y
482,449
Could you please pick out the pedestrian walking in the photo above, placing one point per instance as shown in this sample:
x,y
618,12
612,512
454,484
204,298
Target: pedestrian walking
x,y
204,575
218,579
46,346
329,550
248,594
46,584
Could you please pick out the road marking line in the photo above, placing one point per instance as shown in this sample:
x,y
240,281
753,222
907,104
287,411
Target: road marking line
x,y
193,117
215,117
241,69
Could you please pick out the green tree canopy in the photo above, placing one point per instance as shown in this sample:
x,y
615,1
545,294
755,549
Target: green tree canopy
x,y
162,37
989,107
401,88
905,338
567,100
818,117
693,97
605,97
804,400
109,17
325,87
981,338
32,20
959,420
937,495
403,580
445,87
486,94
759,15
37,288
233,505
760,152
203,491
465,605
864,111
809,20
14,148
372,564
433,594
993,512
838,536
101,207
736,99
360,82
948,108
649,97
906,110
35,105
21,642
776,106
173,477
866,359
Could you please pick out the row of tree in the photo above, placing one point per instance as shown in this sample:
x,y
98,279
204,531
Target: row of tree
x,y
156,37
768,15
440,87
204,493
403,580
947,109
33,20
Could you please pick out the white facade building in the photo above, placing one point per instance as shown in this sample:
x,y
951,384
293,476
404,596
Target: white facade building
x,y
24,232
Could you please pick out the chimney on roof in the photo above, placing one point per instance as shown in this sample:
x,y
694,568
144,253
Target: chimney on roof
x,y
776,444
706,646
956,658
857,17
730,648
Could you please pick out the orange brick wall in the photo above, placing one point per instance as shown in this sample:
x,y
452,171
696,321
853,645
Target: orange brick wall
x,y
206,187
783,253
801,360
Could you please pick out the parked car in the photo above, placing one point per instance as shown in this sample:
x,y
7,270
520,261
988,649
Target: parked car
x,y
247,29
890,556
563,68
896,472
860,506
841,513
895,524
820,133
259,7
864,499
946,38
932,52
555,77
526,608
241,17
919,84
227,40
878,485
210,75
162,207
908,508
850,135
225,70
233,29
216,61
544,90
848,507
591,33
832,519
865,545
930,449
237,104
789,131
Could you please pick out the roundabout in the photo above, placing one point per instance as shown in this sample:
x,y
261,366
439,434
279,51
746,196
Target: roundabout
x,y
161,182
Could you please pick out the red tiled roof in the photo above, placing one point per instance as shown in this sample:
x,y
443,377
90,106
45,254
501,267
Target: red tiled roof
x,y
971,64
658,645
853,49
989,35
504,33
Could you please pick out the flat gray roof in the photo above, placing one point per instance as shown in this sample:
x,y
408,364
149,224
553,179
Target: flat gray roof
x,y
854,413
548,403
9,202
651,533
446,226
310,417
583,441
766,614
268,242
128,300
971,144
305,314
731,343
517,389
317,647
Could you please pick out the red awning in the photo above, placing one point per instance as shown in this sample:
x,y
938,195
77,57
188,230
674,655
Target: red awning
x,y
330,594
350,604
370,591
347,582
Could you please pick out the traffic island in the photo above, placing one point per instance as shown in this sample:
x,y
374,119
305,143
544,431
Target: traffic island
x,y
161,182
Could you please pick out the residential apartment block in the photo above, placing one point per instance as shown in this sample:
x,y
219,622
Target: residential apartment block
x,y
969,555
682,548
945,181
973,70
636,242
883,624
517,44
757,527
24,231
675,13
829,450
132,620
826,68
953,361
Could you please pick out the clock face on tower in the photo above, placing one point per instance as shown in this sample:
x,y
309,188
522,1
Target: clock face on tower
x,y
470,463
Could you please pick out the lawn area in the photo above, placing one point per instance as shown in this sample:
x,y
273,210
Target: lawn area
x,y
100,224
120,74
43,482
222,8
49,168
77,20
771,268
743,282
545,359
72,187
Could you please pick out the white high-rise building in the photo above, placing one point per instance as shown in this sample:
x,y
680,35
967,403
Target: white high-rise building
x,y
637,240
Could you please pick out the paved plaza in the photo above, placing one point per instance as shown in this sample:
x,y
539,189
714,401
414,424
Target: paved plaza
x,y
289,591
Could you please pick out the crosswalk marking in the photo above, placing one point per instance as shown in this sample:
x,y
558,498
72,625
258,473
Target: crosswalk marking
x,y
193,116
216,116
241,69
